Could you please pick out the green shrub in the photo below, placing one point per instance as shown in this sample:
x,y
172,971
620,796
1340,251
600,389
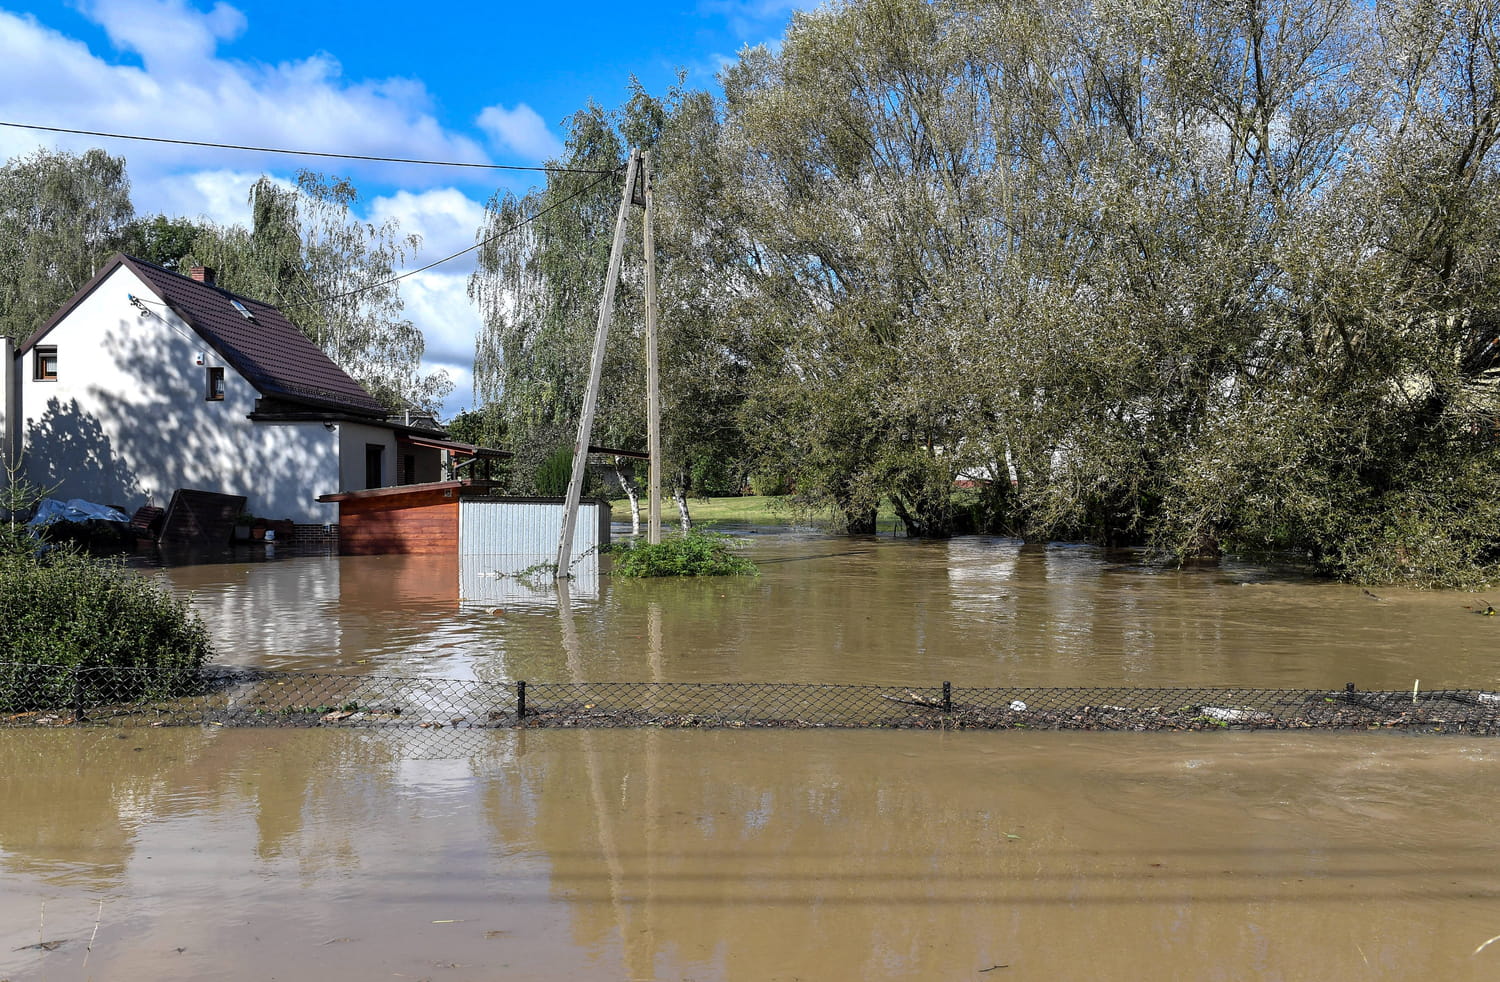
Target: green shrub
x,y
71,614
769,483
555,472
690,554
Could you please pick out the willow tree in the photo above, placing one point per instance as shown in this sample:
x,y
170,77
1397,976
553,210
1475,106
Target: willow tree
x,y
539,283
61,215
862,151
541,272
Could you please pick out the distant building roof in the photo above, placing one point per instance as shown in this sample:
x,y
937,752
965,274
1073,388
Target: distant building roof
x,y
255,338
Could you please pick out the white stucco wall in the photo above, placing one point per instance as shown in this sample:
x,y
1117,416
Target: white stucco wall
x,y
353,439
127,421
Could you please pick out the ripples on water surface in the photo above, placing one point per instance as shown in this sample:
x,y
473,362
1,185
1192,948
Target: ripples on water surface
x,y
972,611
256,854
241,854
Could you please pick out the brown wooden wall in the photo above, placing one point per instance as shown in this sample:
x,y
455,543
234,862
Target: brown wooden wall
x,y
418,523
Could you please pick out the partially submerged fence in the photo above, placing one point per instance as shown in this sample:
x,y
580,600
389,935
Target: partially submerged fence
x,y
36,695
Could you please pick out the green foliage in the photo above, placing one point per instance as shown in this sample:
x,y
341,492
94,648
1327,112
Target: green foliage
x,y
712,476
768,482
538,289
61,216
71,612
688,554
484,427
554,473
65,611
331,274
161,240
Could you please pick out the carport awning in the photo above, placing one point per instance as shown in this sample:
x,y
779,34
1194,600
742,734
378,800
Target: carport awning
x,y
453,446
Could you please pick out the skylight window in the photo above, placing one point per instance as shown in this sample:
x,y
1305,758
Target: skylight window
x,y
244,311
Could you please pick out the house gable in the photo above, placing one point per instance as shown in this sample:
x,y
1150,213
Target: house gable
x,y
132,413
290,372
155,382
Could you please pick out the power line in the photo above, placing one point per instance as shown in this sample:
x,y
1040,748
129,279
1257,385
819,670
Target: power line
x,y
307,153
478,245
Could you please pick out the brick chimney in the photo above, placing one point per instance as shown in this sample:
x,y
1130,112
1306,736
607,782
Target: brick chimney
x,y
203,274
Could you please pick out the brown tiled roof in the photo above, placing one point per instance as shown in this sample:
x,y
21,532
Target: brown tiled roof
x,y
269,351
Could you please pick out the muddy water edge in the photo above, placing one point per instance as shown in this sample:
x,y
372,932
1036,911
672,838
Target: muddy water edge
x,y
255,854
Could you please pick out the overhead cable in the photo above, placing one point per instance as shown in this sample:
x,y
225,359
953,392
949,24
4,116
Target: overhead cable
x,y
308,153
478,245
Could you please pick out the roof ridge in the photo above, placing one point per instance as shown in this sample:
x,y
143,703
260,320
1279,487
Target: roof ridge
x,y
211,286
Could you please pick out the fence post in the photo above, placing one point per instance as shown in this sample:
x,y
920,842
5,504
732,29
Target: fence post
x,y
520,700
78,694
947,697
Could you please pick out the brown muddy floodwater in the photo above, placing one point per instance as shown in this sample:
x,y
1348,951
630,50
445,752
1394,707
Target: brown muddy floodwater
x,y
209,853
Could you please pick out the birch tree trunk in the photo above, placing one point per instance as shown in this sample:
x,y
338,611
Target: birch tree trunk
x,y
628,486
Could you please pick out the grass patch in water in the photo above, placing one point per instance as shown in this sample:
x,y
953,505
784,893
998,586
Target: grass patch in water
x,y
691,554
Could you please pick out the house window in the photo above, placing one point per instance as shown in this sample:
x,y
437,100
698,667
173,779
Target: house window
x,y
408,469
215,388
44,364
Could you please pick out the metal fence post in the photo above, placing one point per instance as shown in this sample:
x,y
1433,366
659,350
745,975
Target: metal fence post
x,y
947,697
78,694
520,700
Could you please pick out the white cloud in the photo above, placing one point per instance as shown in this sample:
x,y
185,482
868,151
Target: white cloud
x,y
183,89
520,130
166,33
446,219
754,19
305,104
221,196
438,304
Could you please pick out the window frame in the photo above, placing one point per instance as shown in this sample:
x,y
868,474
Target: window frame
x,y
214,384
40,356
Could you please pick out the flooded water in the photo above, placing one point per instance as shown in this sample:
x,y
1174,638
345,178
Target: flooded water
x,y
212,853
976,612
236,854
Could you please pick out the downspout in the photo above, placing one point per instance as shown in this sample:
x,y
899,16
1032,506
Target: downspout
x,y
10,400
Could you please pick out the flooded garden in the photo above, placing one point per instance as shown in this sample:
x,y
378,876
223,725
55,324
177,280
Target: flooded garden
x,y
224,853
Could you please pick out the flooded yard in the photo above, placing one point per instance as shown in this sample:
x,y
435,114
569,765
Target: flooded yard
x,y
218,853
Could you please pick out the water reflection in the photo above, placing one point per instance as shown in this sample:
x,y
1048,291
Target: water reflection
x,y
985,612
240,854
727,855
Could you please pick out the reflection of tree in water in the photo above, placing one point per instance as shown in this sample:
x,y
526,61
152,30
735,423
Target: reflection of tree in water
x,y
741,870
67,446
66,796
75,800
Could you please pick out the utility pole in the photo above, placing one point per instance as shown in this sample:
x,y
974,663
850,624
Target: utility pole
x,y
596,371
653,375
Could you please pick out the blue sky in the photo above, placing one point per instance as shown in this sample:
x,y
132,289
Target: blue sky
x,y
489,84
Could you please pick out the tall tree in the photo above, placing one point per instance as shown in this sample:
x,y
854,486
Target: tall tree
x,y
539,285
61,215
333,276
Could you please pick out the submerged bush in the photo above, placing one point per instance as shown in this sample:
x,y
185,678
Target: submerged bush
x,y
688,554
70,613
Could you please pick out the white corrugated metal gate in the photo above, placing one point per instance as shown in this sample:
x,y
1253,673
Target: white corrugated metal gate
x,y
506,547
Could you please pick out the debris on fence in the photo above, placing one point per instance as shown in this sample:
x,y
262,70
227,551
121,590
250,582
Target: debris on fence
x,y
250,697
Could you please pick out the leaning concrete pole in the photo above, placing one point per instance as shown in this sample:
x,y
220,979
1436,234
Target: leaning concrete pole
x,y
596,371
653,375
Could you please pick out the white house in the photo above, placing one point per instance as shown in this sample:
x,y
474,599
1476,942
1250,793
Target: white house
x,y
147,381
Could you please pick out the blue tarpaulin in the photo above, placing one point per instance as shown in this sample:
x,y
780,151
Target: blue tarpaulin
x,y
74,510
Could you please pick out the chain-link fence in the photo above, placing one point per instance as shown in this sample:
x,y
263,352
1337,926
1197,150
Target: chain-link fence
x,y
36,695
